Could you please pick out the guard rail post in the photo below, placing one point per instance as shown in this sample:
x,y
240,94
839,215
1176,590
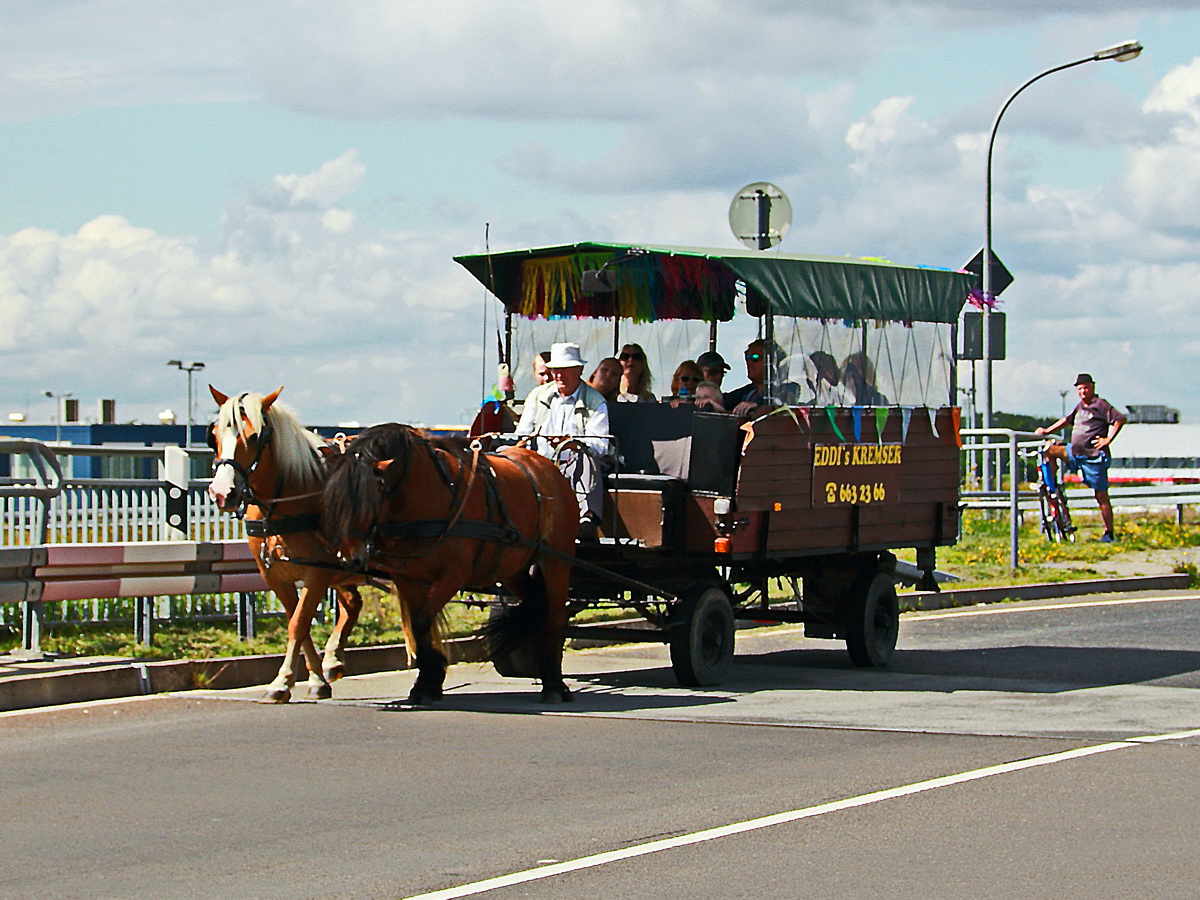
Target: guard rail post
x,y
33,624
177,465
245,615
143,620
1014,511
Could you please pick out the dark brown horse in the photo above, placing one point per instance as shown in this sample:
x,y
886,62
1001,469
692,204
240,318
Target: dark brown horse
x,y
273,470
439,518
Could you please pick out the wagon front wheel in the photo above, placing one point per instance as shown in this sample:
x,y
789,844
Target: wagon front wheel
x,y
872,620
701,637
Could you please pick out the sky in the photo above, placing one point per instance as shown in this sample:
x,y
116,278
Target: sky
x,y
277,188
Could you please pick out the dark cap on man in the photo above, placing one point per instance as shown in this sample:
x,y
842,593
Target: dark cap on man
x,y
711,359
1084,378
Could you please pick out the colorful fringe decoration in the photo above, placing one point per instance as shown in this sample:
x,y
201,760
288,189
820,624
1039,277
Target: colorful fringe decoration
x,y
649,288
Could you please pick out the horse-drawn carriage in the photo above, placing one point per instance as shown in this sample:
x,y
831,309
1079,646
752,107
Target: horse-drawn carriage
x,y
705,509
702,510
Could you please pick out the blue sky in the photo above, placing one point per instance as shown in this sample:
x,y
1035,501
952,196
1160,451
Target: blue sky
x,y
277,188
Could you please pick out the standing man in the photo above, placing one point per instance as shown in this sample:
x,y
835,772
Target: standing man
x,y
566,409
1095,423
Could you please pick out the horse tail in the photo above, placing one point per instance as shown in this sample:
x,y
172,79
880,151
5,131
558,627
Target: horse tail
x,y
437,630
512,626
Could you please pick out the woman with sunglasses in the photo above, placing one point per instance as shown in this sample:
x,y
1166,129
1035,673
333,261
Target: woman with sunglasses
x,y
636,380
684,382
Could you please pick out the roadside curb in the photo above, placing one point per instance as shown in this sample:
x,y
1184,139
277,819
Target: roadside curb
x,y
53,683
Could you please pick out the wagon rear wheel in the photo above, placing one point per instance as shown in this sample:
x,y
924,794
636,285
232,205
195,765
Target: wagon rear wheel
x,y
701,637
872,620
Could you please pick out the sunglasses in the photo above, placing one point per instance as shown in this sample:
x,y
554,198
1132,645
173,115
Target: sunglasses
x,y
753,357
696,378
637,357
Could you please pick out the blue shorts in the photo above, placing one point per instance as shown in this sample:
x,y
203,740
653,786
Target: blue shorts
x,y
1093,469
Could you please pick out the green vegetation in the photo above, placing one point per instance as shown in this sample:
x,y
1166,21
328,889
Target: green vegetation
x,y
982,555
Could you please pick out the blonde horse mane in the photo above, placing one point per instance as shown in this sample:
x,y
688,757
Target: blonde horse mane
x,y
296,449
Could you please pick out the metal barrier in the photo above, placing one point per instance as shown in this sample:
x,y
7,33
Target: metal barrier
x,y
34,576
41,505
1003,452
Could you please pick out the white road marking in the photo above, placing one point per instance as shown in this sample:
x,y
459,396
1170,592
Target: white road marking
x,y
1002,609
710,834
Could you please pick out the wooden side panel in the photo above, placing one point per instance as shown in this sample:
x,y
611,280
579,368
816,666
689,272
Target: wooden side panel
x,y
776,479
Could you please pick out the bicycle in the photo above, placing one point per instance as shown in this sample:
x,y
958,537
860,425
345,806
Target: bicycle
x,y
1052,500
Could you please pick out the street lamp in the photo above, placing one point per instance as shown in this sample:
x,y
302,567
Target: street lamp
x,y
189,368
1122,52
58,412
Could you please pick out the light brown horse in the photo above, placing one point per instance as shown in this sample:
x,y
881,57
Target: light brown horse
x,y
439,519
272,469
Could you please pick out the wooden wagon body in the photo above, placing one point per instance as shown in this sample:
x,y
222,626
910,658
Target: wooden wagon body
x,y
704,511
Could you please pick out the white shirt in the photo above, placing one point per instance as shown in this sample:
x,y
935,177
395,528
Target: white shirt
x,y
561,420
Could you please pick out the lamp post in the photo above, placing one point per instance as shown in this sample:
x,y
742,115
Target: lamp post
x,y
1122,52
58,412
189,368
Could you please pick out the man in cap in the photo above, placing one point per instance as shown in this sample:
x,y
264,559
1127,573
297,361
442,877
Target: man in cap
x,y
713,365
1095,423
568,409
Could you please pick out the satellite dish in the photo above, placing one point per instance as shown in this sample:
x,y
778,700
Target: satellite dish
x,y
760,215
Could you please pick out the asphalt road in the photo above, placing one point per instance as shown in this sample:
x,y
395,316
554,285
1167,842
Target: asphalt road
x,y
1032,750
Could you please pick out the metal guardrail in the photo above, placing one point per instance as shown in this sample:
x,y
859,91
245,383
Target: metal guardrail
x,y
1007,449
34,576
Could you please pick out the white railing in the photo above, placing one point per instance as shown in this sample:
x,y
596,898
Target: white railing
x,y
999,452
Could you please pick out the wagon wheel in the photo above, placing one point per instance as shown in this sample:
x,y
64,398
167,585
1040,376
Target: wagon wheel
x,y
519,663
872,619
700,633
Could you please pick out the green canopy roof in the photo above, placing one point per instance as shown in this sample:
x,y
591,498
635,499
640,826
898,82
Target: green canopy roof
x,y
660,282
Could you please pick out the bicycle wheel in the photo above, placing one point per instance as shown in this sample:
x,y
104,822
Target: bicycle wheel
x,y
1046,509
1063,517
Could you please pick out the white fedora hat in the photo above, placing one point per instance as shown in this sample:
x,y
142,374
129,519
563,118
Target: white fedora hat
x,y
564,356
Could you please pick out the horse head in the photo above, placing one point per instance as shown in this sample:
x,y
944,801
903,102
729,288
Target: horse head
x,y
239,437
361,486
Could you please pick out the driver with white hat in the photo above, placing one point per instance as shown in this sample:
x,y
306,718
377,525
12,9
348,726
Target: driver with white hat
x,y
568,408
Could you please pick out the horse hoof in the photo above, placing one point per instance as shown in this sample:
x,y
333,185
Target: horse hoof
x,y
277,695
320,692
558,694
420,696
335,673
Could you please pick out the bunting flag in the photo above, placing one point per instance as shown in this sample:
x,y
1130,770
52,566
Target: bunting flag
x,y
956,422
856,414
932,410
905,420
831,412
805,412
881,417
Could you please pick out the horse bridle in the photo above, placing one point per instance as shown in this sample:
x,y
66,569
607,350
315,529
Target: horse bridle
x,y
242,474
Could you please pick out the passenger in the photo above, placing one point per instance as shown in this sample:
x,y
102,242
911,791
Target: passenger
x,y
746,399
541,375
684,383
564,409
713,365
708,397
607,378
858,380
636,380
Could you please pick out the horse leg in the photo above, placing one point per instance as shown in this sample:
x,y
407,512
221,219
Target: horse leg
x,y
299,644
421,617
555,582
334,666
